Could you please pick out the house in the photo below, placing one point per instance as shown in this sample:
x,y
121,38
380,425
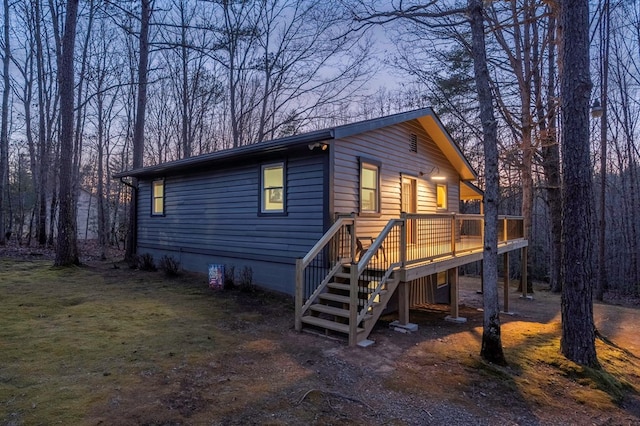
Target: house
x,y
341,218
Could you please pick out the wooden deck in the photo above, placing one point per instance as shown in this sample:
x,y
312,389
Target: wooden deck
x,y
361,272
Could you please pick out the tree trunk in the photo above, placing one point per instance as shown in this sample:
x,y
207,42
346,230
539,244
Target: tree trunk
x,y
138,132
602,222
66,249
550,152
491,340
578,331
4,132
43,141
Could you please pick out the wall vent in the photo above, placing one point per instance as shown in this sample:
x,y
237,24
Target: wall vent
x,y
414,143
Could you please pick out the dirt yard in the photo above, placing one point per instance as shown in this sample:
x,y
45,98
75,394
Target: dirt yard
x,y
103,344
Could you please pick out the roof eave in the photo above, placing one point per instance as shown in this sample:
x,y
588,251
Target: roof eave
x,y
447,145
228,154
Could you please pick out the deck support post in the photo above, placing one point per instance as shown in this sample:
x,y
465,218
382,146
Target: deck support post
x,y
403,303
455,299
402,324
506,282
523,276
299,297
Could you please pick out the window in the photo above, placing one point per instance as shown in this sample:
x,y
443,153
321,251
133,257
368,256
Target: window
x,y
442,278
441,196
157,198
369,187
273,190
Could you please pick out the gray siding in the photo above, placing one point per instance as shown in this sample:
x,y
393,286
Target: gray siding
x,y
391,147
212,217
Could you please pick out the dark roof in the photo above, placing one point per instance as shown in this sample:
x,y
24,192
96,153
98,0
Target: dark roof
x,y
294,141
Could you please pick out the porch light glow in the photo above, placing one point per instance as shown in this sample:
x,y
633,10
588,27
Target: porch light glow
x,y
596,109
439,178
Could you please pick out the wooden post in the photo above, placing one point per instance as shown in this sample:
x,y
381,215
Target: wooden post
x,y
353,305
353,240
453,234
506,282
504,229
453,286
523,265
403,303
299,298
403,240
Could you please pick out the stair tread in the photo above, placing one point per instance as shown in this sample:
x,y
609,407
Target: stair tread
x,y
331,310
335,297
330,325
347,287
339,286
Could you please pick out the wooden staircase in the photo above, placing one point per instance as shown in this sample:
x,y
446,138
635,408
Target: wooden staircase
x,y
329,313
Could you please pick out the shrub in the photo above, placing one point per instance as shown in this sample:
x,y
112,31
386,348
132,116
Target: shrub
x,y
245,280
170,266
134,262
146,263
229,277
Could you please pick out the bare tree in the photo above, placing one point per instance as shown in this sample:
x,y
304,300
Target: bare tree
x,y
66,246
4,126
138,134
604,25
578,331
550,149
491,340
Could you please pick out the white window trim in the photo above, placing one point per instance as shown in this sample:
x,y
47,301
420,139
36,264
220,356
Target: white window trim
x,y
154,212
370,165
283,188
446,196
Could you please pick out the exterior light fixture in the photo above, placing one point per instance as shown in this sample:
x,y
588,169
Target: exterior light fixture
x,y
315,145
596,109
439,178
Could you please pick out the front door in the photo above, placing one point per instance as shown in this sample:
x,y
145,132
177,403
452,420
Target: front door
x,y
409,205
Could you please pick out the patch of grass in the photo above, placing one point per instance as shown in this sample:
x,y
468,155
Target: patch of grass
x,y
70,337
537,353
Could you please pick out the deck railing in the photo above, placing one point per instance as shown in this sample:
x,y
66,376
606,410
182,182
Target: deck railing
x,y
403,242
510,228
432,236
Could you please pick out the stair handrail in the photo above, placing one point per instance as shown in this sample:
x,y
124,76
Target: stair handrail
x,y
326,238
377,244
372,296
355,316
301,264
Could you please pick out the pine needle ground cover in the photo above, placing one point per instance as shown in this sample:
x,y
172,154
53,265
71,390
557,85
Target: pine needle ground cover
x,y
100,345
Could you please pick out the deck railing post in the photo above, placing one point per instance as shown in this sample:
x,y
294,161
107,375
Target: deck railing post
x,y
354,237
299,298
353,305
403,239
453,234
504,232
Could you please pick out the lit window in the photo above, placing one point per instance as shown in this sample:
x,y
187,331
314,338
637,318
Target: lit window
x,y
441,196
157,201
273,191
369,188
442,278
